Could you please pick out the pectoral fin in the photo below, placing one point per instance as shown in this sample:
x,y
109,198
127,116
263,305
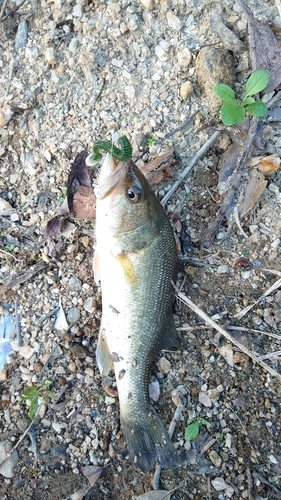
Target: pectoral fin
x,y
96,267
128,269
104,360
171,337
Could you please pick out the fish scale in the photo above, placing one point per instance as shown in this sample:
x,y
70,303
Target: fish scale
x,y
136,262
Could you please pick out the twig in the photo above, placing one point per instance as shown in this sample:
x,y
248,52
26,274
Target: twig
x,y
194,160
270,355
250,484
242,313
182,402
186,122
235,185
18,328
207,446
48,315
223,332
244,329
15,9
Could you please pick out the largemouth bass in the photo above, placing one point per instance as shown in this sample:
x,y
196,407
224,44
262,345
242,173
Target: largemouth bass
x,y
135,261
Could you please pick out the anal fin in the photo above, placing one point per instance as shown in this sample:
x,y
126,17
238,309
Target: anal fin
x,y
171,337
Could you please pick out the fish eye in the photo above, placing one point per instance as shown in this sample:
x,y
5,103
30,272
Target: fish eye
x,y
134,194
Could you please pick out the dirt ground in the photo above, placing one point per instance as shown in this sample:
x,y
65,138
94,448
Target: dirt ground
x,y
74,73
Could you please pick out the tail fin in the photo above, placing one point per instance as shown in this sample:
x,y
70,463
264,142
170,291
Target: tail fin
x,y
148,442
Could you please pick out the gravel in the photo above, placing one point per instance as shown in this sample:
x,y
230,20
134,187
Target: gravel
x,y
76,72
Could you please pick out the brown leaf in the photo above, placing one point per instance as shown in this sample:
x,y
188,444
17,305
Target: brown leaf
x,y
240,357
266,50
229,40
160,169
79,176
254,189
230,158
84,203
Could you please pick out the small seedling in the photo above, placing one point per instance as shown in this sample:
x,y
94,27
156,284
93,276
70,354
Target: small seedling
x,y
10,247
63,195
151,141
37,394
194,424
234,111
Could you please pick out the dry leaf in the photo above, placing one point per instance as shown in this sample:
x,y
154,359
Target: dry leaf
x,y
268,54
265,164
92,473
160,169
78,176
254,189
240,357
155,495
230,160
84,203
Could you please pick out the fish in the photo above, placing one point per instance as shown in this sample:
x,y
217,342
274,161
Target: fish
x,y
135,262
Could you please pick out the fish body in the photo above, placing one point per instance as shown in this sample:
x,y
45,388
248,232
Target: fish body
x,y
135,262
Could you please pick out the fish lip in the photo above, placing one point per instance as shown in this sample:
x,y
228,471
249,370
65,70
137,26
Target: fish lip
x,y
108,183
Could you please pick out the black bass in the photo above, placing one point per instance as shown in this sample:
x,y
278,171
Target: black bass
x,y
135,262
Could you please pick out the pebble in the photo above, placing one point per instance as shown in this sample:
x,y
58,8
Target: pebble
x,y
219,483
222,269
74,282
204,399
164,365
21,35
7,463
184,58
186,89
173,21
73,315
147,4
215,458
50,56
26,351
154,390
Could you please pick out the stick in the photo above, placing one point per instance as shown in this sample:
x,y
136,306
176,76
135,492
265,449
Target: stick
x,y
223,332
194,160
242,313
235,185
18,328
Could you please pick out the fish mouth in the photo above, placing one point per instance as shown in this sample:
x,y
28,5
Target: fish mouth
x,y
110,175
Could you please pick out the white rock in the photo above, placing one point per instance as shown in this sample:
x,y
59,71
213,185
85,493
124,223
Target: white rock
x,y
90,305
173,21
227,353
184,57
5,208
26,351
164,365
50,56
223,269
7,463
154,390
215,458
186,89
77,11
219,483
160,52
204,399
56,426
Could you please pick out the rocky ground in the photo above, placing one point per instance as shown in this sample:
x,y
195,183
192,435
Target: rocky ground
x,y
73,73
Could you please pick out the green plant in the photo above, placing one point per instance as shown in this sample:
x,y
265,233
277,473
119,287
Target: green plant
x,y
63,195
233,111
10,247
37,394
194,424
151,141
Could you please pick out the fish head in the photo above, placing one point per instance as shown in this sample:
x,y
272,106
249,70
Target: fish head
x,y
128,211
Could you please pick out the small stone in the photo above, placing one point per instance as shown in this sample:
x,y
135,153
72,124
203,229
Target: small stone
x,y
3,375
186,89
72,367
21,35
219,483
42,411
204,399
154,390
56,426
73,315
50,56
7,464
74,44
223,269
147,4
110,391
229,491
164,365
184,57
74,282
173,21
14,217
215,458
26,351
90,305
160,52
37,367
77,10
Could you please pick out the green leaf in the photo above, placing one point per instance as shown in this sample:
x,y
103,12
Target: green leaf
x,y
232,114
191,431
257,109
225,92
247,100
257,82
33,408
202,421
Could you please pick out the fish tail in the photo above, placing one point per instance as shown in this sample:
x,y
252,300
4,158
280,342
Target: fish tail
x,y
148,441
